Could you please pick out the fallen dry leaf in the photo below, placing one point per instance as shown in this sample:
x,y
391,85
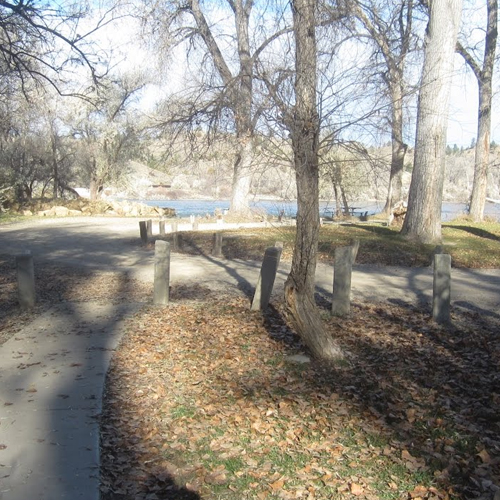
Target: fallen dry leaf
x,y
277,485
356,489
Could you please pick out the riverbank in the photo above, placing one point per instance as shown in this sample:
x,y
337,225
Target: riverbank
x,y
185,208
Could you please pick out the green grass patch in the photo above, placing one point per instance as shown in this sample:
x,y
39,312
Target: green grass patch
x,y
471,245
7,217
183,411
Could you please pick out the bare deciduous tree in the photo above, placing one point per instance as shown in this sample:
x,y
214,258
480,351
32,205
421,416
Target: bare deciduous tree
x,y
483,71
106,134
391,29
38,42
423,219
230,95
304,128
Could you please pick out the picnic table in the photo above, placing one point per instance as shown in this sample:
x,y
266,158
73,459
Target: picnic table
x,y
353,211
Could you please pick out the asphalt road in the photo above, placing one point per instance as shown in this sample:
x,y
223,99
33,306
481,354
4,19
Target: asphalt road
x,y
108,243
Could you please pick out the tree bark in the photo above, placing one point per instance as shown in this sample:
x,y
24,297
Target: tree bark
x,y
242,98
240,93
55,169
395,191
482,153
95,185
423,219
484,78
338,204
304,128
242,176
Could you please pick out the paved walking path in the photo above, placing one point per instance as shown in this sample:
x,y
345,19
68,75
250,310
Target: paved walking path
x,y
109,243
52,372
51,384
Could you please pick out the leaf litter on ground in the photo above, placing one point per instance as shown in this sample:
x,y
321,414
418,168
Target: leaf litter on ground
x,y
58,283
203,401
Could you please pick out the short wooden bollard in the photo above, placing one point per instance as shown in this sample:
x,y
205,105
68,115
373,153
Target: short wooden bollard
x,y
217,244
342,274
441,288
161,293
26,280
175,237
265,283
161,227
149,225
144,231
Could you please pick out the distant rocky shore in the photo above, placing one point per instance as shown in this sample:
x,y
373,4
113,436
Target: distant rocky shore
x,y
81,206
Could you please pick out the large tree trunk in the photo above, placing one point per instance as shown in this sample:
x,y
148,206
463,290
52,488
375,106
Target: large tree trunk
x,y
95,184
55,166
239,91
423,219
242,99
484,77
338,204
242,176
395,190
300,285
482,153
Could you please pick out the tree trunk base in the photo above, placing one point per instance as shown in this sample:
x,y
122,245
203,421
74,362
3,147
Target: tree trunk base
x,y
306,319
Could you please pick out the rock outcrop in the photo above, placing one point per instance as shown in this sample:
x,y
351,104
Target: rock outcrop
x,y
72,208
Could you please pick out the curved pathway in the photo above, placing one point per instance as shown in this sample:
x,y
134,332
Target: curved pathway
x,y
52,372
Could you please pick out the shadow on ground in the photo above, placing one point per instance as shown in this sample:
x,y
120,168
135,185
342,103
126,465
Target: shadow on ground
x,y
422,396
476,231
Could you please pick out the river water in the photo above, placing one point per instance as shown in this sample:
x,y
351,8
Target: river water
x,y
185,208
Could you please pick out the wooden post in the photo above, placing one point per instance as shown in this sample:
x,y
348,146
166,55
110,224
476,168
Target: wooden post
x,y
144,231
149,225
26,280
441,288
161,227
344,259
162,272
265,283
217,244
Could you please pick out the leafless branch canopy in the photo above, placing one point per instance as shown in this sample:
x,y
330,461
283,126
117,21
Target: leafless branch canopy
x,y
39,43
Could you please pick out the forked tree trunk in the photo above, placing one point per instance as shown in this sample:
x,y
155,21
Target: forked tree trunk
x,y
423,219
242,106
395,190
304,127
239,93
394,43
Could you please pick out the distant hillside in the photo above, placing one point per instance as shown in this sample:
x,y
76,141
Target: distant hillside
x,y
210,178
143,182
